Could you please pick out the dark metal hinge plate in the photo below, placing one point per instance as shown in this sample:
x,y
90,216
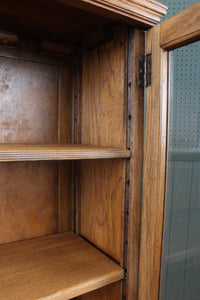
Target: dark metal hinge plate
x,y
144,71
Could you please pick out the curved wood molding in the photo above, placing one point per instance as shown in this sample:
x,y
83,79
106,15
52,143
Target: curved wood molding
x,y
181,29
146,13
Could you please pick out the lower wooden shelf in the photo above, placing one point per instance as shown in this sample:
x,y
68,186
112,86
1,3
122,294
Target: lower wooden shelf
x,y
60,266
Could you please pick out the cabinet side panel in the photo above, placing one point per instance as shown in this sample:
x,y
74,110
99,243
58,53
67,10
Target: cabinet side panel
x,y
101,183
29,114
101,189
103,94
103,122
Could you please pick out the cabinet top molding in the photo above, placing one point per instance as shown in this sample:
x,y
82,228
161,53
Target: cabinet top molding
x,y
144,12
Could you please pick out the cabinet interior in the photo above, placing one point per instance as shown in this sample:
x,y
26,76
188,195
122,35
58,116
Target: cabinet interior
x,y
53,99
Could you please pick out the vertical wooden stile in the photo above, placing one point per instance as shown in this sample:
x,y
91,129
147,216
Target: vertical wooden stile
x,y
135,124
154,169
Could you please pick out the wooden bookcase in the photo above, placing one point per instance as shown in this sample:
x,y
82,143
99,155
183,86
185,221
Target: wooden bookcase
x,y
71,140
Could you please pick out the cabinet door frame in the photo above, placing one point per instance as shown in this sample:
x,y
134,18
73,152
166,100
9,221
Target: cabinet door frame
x,y
179,30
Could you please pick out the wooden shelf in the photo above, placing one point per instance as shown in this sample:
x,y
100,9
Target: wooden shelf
x,y
60,266
34,152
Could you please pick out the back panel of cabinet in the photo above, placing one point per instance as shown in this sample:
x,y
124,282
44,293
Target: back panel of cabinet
x,y
31,97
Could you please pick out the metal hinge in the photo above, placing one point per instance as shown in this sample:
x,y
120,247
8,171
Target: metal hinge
x,y
144,71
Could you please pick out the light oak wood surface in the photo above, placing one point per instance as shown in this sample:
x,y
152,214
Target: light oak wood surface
x,y
102,121
59,267
35,152
154,170
181,29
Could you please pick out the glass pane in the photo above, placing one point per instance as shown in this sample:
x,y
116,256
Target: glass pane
x,y
181,253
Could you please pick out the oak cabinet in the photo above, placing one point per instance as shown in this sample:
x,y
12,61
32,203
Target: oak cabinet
x,y
71,134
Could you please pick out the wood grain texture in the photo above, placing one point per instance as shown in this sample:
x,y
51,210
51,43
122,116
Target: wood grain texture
x,y
28,102
58,267
100,206
28,200
65,168
181,29
103,111
154,170
134,165
103,122
34,152
28,96
111,291
142,12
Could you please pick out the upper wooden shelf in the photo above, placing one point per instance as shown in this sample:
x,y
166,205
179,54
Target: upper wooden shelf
x,y
59,267
36,152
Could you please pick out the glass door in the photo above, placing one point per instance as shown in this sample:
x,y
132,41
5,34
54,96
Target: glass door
x,y
170,228
181,251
